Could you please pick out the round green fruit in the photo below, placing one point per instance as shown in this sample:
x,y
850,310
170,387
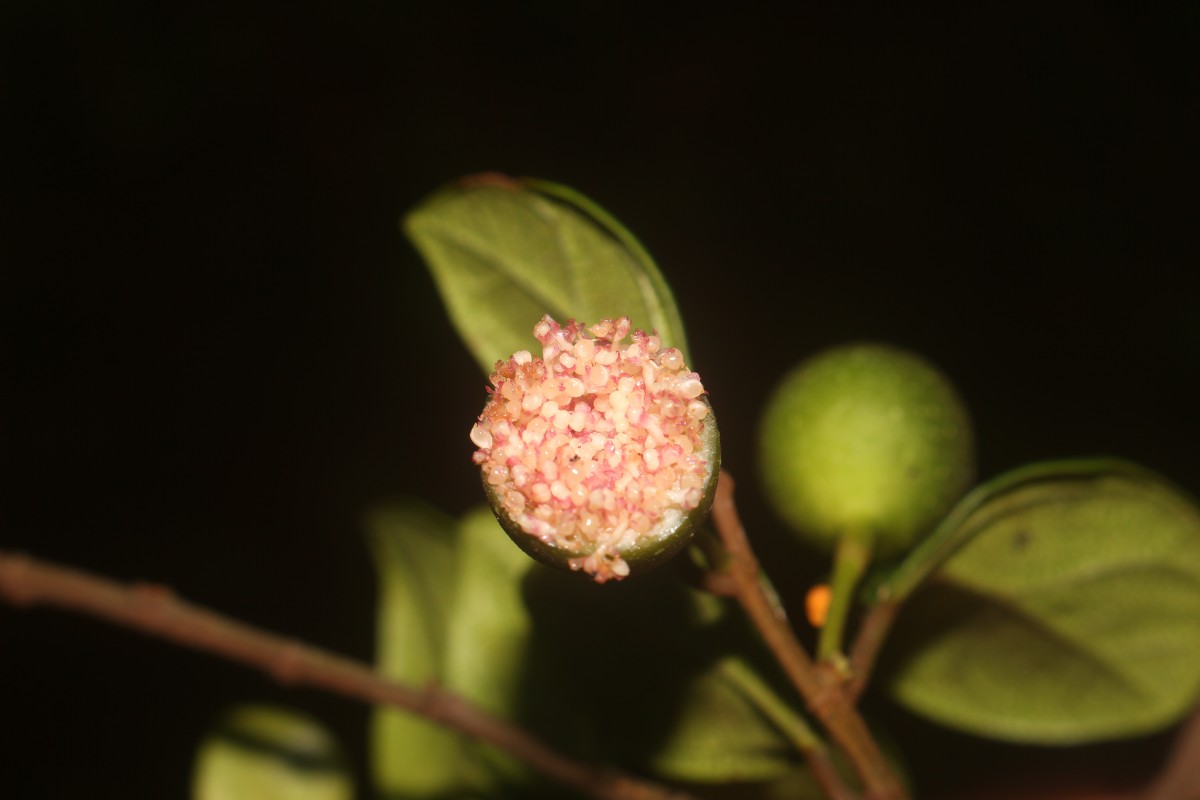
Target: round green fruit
x,y
865,440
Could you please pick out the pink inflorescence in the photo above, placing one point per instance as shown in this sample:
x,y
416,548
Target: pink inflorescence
x,y
594,447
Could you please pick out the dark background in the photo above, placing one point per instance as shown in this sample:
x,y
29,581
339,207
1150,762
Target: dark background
x,y
218,350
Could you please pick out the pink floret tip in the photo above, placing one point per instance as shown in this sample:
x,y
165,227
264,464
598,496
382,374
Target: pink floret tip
x,y
596,447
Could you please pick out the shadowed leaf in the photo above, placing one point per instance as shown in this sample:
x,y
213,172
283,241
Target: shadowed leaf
x,y
642,674
265,753
1070,614
654,667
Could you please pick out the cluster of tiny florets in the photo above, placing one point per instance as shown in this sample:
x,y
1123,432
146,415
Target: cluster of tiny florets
x,y
595,446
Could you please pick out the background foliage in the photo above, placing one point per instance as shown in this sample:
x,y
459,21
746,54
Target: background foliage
x,y
218,351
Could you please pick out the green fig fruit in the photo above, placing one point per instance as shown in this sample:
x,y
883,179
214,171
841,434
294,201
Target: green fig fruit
x,y
600,457
865,440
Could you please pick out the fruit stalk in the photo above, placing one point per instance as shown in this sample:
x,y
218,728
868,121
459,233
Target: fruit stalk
x,y
850,561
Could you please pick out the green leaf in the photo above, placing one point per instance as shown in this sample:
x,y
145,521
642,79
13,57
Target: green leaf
x,y
450,612
266,753
1070,613
719,734
647,674
657,671
893,584
414,548
653,673
489,626
504,252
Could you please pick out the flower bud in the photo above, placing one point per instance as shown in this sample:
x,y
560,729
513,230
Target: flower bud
x,y
599,457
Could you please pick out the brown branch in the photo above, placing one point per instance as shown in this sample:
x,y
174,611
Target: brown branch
x,y
826,774
822,689
1179,778
155,610
872,633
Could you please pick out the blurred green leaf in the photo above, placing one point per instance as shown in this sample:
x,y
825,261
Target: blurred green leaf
x,y
719,735
489,626
654,668
414,548
1071,613
647,674
265,753
894,582
504,252
450,612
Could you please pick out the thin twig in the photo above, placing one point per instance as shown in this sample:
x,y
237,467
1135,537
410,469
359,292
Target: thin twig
x,y
872,632
25,581
822,689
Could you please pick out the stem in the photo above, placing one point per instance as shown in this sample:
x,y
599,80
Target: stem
x,y
790,725
25,581
849,563
821,688
872,633
1180,775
